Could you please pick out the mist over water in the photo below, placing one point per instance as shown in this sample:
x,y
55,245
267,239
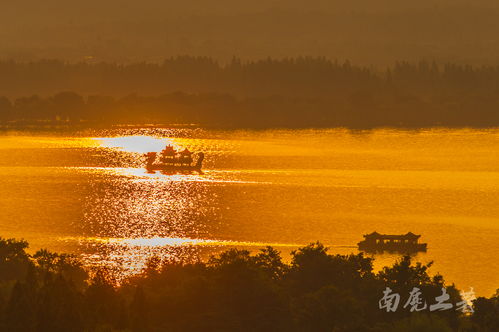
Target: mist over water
x,y
88,194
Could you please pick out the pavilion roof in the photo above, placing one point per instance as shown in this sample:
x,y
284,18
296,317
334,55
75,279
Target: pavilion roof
x,y
185,152
376,235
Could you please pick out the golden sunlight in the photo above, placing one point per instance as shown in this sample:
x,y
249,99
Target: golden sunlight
x,y
137,144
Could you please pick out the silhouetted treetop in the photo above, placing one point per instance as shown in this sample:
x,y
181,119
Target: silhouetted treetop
x,y
234,291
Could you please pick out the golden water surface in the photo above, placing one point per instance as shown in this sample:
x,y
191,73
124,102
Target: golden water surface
x,y
87,193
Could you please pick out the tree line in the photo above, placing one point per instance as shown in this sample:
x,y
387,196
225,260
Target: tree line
x,y
234,291
301,76
295,92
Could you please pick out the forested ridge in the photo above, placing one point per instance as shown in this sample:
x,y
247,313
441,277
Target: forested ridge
x,y
293,92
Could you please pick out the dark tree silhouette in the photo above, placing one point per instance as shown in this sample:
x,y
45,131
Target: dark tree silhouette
x,y
293,92
234,291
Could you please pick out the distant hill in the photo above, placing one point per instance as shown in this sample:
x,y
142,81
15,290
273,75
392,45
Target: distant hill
x,y
300,92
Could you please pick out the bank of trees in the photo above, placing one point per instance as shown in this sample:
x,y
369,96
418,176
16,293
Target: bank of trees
x,y
301,92
235,291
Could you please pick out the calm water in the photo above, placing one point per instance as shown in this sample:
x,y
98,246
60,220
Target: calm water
x,y
87,194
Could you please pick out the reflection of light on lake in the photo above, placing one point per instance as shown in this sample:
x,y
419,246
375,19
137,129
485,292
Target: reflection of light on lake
x,y
128,256
134,215
141,174
131,203
135,207
138,144
170,241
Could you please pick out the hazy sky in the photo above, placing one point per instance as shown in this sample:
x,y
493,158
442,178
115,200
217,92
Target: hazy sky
x,y
364,31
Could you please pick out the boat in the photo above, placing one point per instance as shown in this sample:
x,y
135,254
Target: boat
x,y
172,161
405,243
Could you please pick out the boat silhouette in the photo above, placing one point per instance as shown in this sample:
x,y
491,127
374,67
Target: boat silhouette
x,y
405,243
172,161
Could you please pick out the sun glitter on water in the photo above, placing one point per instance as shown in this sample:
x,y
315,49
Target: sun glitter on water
x,y
137,144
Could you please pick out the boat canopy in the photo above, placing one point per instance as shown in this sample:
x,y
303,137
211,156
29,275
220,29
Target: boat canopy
x,y
377,236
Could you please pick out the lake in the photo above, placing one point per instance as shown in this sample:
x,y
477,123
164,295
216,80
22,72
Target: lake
x,y
87,193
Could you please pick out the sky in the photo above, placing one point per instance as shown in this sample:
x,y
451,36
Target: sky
x,y
363,31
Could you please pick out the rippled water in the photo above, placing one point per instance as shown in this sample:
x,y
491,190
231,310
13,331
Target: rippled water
x,y
87,193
